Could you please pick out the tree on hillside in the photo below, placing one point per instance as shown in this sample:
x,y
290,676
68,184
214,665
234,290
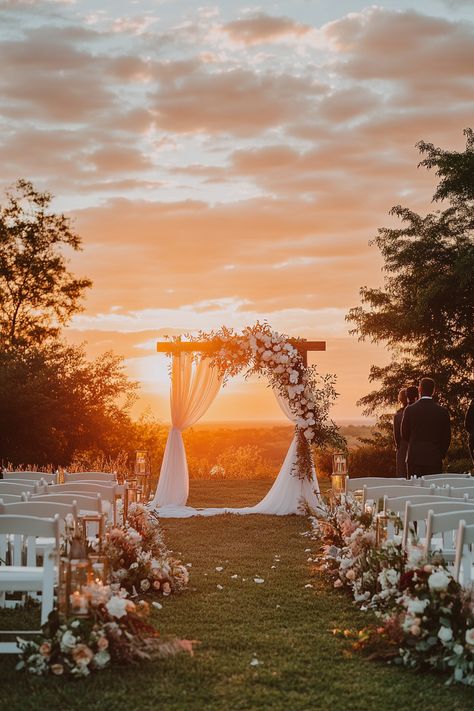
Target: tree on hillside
x,y
38,294
54,402
425,311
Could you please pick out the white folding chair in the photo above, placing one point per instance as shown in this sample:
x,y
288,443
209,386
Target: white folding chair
x,y
358,484
89,506
7,487
30,476
446,475
15,532
463,558
458,491
418,513
375,493
96,477
40,509
445,481
396,504
10,498
445,523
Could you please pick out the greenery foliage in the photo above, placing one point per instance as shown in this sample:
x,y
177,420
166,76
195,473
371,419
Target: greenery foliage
x,y
37,292
425,311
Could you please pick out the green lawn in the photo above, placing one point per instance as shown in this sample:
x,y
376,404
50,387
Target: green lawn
x,y
284,625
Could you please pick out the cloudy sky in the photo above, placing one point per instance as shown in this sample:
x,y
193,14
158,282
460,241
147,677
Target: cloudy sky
x,y
230,161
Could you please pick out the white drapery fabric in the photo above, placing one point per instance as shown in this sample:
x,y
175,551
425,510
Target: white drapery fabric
x,y
285,497
193,389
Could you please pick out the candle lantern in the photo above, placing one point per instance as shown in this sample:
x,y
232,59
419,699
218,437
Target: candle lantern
x,y
142,473
74,574
381,529
339,473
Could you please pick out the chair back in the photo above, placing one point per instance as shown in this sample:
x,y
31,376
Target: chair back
x,y
8,487
445,522
358,484
30,476
446,481
11,498
92,503
397,503
97,477
463,557
16,534
418,512
457,491
108,494
378,492
447,475
18,531
41,509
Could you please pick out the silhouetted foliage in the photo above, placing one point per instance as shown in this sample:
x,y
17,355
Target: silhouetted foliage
x,y
425,311
38,294
54,401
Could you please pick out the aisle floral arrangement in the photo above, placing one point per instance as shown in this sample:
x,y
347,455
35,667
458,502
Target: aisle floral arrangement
x,y
260,350
116,632
426,617
139,559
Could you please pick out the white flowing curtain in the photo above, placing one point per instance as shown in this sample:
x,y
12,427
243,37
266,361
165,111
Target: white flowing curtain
x,y
288,491
192,392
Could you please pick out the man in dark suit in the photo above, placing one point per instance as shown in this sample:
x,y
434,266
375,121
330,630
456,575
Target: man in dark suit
x,y
427,429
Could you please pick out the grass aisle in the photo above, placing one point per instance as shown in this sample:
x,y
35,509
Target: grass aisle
x,y
279,622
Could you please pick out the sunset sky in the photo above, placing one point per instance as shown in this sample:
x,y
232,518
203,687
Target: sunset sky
x,y
228,162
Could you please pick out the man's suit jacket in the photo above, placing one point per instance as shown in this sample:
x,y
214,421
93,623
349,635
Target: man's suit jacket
x,y
427,429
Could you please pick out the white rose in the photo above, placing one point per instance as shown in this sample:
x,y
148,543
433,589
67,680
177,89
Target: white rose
x,y
445,634
417,607
439,581
470,637
458,649
68,641
116,606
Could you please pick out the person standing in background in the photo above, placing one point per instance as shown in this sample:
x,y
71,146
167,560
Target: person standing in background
x,y
469,426
400,444
427,429
406,396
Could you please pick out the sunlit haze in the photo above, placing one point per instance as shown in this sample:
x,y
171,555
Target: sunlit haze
x,y
230,162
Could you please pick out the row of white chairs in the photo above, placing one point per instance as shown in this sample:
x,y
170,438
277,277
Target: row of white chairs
x,y
441,507
49,478
32,520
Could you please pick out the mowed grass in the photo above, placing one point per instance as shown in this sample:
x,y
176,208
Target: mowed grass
x,y
281,623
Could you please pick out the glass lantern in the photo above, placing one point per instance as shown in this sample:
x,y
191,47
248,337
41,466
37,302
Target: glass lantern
x,y
381,529
142,473
339,473
74,575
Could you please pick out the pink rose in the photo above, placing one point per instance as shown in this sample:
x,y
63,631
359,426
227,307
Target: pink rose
x,y
57,669
45,649
166,589
102,643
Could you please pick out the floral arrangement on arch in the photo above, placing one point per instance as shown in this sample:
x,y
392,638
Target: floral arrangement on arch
x,y
426,617
139,559
260,350
116,633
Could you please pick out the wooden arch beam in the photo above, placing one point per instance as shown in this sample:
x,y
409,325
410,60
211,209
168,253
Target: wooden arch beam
x,y
175,347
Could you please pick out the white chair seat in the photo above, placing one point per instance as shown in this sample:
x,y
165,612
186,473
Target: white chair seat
x,y
11,574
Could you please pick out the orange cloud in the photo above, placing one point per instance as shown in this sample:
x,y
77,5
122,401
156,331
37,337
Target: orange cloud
x,y
262,28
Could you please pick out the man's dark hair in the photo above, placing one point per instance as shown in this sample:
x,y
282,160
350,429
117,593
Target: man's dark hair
x,y
412,394
427,387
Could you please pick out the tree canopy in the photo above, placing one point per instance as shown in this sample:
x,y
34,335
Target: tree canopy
x,y
54,402
425,310
38,294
